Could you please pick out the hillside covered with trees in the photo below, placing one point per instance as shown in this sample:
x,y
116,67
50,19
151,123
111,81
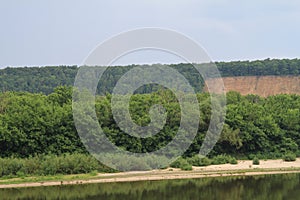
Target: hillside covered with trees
x,y
38,134
45,79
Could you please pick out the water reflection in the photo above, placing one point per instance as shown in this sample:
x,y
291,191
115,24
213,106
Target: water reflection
x,y
275,187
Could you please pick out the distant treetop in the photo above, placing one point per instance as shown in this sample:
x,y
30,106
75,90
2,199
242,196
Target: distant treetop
x,y
45,79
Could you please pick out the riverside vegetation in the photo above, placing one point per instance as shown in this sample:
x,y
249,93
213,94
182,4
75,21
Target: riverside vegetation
x,y
38,136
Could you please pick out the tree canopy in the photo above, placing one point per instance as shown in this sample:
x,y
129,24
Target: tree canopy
x,y
45,79
41,124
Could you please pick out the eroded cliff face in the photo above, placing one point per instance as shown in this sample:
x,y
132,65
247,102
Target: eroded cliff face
x,y
260,85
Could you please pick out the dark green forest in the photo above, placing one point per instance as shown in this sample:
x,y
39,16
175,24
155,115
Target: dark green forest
x,y
45,79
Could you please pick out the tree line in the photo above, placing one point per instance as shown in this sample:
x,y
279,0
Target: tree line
x,y
45,79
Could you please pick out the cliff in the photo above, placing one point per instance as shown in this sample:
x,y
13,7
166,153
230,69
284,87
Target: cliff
x,y
261,85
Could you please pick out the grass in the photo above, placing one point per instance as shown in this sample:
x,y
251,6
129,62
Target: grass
x,y
32,179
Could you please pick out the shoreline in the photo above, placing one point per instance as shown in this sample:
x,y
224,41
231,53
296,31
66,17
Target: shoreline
x,y
243,168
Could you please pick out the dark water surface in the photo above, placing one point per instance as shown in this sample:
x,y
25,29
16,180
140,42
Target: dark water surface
x,y
274,187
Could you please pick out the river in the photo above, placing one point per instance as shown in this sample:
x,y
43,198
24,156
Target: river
x,y
275,187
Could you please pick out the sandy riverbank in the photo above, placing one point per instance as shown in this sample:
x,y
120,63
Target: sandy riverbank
x,y
244,168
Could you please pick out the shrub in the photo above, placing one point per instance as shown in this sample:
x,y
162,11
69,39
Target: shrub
x,y
289,157
255,161
178,163
32,165
251,156
10,166
182,164
50,165
194,161
205,161
186,167
298,154
198,161
233,161
221,159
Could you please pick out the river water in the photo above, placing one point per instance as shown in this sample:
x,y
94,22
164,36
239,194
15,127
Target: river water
x,y
274,187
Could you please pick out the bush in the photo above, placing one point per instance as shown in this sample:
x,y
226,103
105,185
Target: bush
x,y
289,157
251,156
233,161
178,163
186,167
298,154
49,165
198,161
194,161
11,166
182,164
205,161
221,159
255,161
32,165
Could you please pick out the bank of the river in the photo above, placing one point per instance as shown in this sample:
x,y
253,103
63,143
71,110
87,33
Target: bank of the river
x,y
245,168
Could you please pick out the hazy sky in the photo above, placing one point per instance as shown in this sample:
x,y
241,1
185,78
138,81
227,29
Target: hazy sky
x,y
55,32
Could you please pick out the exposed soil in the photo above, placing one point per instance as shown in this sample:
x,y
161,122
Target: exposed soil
x,y
260,85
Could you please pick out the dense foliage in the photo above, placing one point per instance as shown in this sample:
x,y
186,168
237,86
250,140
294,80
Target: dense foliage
x,y
33,124
45,79
260,67
35,79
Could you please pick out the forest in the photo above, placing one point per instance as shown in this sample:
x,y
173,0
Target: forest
x,y
36,127
45,79
38,134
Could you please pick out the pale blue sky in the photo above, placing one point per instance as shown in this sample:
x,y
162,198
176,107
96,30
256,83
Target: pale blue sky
x,y
56,32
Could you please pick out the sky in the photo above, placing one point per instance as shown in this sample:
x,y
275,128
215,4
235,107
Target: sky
x,y
64,32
